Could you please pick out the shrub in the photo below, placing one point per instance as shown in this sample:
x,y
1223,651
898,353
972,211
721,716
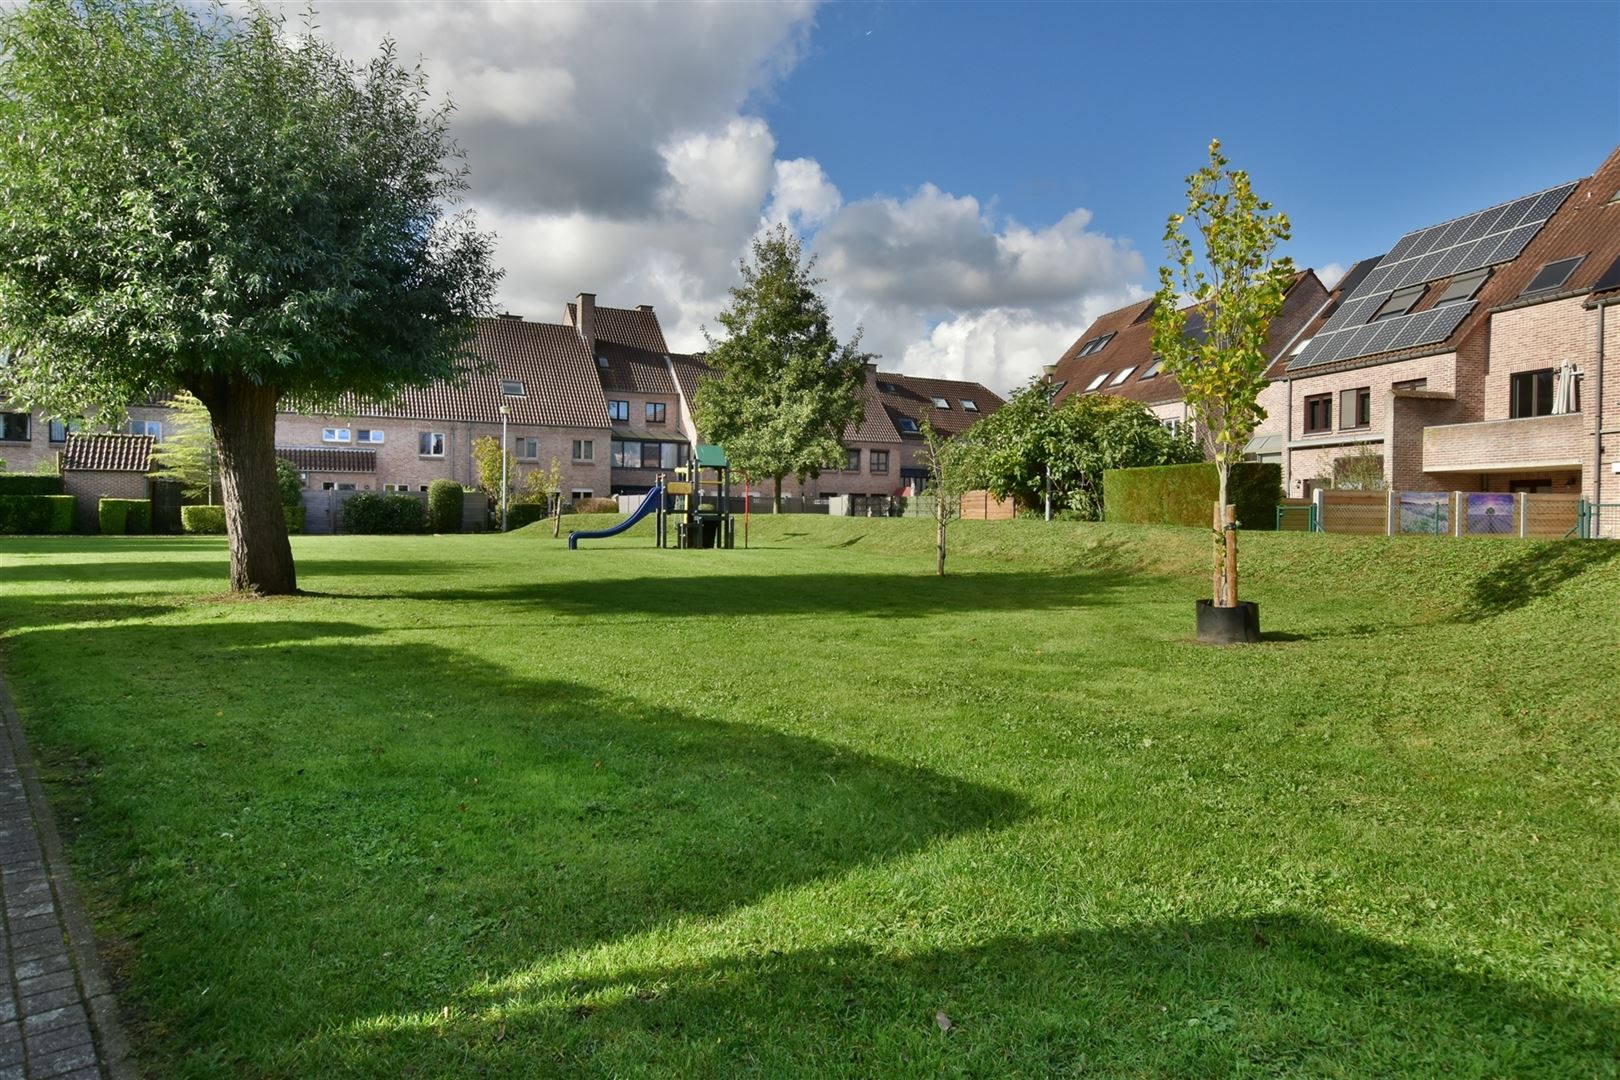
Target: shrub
x,y
295,518
121,516
521,514
21,514
203,520
1186,494
598,506
30,484
369,512
444,502
290,482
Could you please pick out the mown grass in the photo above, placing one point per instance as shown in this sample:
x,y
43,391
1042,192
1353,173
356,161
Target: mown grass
x,y
483,806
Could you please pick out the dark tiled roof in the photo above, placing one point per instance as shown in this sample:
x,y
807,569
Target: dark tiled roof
x,y
107,453
561,387
329,458
635,327
633,371
914,397
1132,345
690,371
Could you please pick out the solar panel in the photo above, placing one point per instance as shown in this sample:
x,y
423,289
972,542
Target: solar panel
x,y
1610,278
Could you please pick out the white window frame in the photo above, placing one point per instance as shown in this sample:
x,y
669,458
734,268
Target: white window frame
x,y
588,446
523,444
1098,381
369,436
146,428
582,493
942,403
969,405
432,437
1123,375
520,392
337,435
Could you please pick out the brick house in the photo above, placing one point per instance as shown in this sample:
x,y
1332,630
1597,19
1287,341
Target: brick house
x,y
104,466
1115,356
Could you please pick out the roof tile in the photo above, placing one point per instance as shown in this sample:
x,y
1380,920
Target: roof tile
x,y
107,453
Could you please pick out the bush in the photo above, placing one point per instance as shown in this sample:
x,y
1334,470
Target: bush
x,y
1186,494
598,506
29,484
203,520
521,514
295,518
21,514
290,482
369,512
121,516
444,502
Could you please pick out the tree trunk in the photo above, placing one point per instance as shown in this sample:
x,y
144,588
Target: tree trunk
x,y
1231,556
556,513
776,499
244,421
939,566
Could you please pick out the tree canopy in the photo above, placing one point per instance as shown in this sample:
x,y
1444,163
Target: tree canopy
x,y
1014,450
205,201
787,391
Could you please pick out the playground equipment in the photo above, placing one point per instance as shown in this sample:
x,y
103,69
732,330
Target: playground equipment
x,y
698,523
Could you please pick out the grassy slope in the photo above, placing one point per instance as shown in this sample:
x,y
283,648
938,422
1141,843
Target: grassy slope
x,y
481,803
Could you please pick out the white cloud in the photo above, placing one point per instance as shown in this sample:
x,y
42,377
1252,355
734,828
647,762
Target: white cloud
x,y
1330,274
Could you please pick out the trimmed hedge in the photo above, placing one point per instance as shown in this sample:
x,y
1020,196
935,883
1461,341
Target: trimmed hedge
x,y
1186,494
210,520
369,512
31,514
30,484
521,514
124,516
444,502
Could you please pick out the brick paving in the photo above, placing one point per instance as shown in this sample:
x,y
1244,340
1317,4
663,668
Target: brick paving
x,y
57,1019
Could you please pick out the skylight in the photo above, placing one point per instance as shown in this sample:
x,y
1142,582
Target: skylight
x,y
969,405
1122,376
1098,381
941,403
1152,370
1399,303
1095,345
511,388
908,426
1552,276
1463,287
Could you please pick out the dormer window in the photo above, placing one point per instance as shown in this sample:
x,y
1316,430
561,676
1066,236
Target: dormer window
x,y
941,403
1122,376
511,388
1098,381
1551,277
969,405
908,426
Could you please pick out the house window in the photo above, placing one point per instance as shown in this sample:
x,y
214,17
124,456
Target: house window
x,y
1122,376
335,434
1094,383
399,489
1399,302
655,412
908,426
1411,384
887,387
1355,408
430,444
153,428
1318,413
879,462
511,388
1463,287
852,460
1152,370
60,429
1173,423
652,456
601,362
373,436
1095,345
14,427
1552,276
580,493
619,411
941,403
969,405
528,449
1531,393
584,450
331,485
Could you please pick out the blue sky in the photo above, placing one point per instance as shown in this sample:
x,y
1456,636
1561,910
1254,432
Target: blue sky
x,y
1361,121
979,181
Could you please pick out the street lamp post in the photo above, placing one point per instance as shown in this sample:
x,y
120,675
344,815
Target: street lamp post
x,y
504,413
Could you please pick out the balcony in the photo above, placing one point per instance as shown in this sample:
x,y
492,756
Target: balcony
x,y
1528,444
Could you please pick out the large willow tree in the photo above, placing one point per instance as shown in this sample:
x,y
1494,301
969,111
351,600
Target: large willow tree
x,y
204,201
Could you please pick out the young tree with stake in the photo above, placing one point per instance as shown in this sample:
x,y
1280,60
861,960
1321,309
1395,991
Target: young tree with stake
x,y
1232,274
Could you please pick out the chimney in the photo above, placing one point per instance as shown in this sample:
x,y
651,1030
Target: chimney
x,y
644,307
585,319
510,315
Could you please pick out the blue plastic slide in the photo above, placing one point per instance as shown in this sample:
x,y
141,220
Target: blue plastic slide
x,y
648,505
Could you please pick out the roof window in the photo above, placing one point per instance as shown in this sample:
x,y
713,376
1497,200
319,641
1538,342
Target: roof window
x,y
1122,376
1152,370
887,388
601,362
969,405
1463,287
1095,345
908,426
1098,381
511,388
941,403
1399,303
1552,276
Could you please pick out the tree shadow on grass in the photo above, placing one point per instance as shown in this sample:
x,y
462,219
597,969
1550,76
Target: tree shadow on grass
x,y
1278,995
888,595
308,816
1537,570
214,567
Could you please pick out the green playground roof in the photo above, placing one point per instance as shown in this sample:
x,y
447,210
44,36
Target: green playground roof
x,y
710,456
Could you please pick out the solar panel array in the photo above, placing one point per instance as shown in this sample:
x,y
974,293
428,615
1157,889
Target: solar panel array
x,y
1492,236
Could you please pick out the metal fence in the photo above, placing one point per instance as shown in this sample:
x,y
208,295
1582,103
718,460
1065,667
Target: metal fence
x,y
1520,515
1599,521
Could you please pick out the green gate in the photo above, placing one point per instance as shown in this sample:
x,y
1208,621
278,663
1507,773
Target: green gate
x,y
1590,517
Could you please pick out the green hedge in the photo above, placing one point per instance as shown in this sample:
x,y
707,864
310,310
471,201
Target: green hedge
x,y
369,512
444,503
1186,494
521,514
123,516
36,514
30,484
210,520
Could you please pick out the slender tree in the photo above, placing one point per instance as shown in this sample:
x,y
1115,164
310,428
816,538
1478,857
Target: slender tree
x,y
787,390
947,481
198,199
188,453
1232,272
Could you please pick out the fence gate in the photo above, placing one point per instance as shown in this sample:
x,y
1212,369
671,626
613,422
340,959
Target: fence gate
x,y
1598,521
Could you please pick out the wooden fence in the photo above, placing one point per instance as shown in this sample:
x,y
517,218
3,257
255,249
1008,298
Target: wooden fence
x,y
1518,515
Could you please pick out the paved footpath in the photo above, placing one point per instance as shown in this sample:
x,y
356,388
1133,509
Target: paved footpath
x,y
57,1018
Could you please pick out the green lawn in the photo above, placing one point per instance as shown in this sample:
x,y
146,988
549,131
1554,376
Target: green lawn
x,y
481,806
